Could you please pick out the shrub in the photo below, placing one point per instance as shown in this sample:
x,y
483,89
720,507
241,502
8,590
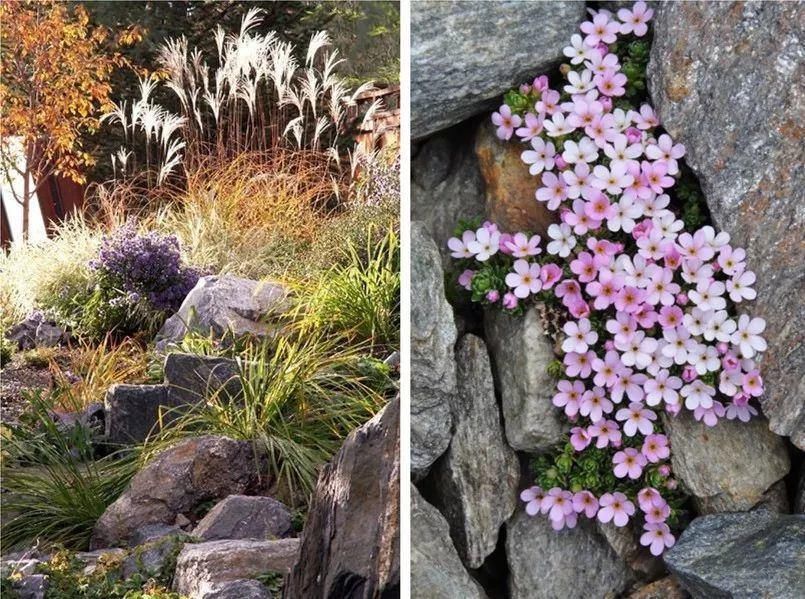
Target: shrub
x,y
53,488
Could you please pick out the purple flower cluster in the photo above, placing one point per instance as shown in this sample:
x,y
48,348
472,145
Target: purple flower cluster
x,y
144,267
652,322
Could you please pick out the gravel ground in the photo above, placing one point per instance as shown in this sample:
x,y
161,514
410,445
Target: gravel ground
x,y
16,377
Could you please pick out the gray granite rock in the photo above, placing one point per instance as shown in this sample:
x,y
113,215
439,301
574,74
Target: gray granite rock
x,y
741,556
446,183
433,365
153,559
728,467
477,478
201,567
727,81
225,304
154,532
237,589
577,563
133,412
464,54
436,569
192,378
521,353
244,517
32,587
35,331
176,482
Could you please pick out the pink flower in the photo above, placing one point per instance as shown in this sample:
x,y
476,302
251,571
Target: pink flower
x,y
657,537
540,84
655,448
636,418
629,299
656,175
739,408
541,157
533,497
553,192
594,404
492,296
630,384
606,433
628,462
615,507
670,317
578,307
601,29
579,364
548,103
611,83
505,122
752,383
667,152
635,20
585,503
647,498
521,245
569,396
510,301
663,387
601,130
558,503
710,415
578,219
579,336
608,370
583,113
584,266
465,279
579,438
633,134
645,119
599,208
533,127
525,279
549,275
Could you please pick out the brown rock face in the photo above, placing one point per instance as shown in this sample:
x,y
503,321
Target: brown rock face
x,y
351,541
176,482
510,188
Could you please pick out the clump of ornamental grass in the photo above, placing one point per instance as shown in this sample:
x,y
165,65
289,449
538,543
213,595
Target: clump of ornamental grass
x,y
650,310
301,395
54,489
256,94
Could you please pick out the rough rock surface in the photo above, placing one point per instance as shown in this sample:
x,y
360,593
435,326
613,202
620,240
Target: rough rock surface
x,y
154,532
728,467
133,412
664,588
464,54
625,542
175,482
191,378
433,365
510,188
237,589
32,587
35,331
546,564
446,185
225,304
351,541
711,61
478,477
436,569
243,517
741,556
521,353
200,567
153,559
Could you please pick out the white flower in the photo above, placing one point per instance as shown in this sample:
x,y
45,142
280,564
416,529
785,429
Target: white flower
x,y
557,125
740,286
584,151
747,337
679,344
704,358
720,327
729,381
697,394
486,244
696,320
541,157
579,83
638,351
459,247
563,240
577,51
707,295
579,336
625,211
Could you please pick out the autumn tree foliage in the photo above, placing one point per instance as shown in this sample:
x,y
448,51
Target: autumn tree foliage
x,y
54,83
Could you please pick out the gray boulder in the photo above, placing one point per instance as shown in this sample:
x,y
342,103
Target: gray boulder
x,y
153,559
35,331
225,304
521,353
433,365
34,586
243,517
154,532
133,412
478,476
237,589
711,61
436,569
575,563
192,378
176,482
351,541
446,185
202,567
728,467
464,54
741,556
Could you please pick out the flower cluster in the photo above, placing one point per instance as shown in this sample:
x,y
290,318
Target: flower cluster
x,y
651,324
144,268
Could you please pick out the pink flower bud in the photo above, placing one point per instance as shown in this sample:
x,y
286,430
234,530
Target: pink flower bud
x,y
642,228
664,470
673,408
671,484
730,361
525,89
689,374
722,348
606,102
741,399
682,299
493,296
505,239
560,162
491,227
510,301
609,345
540,83
633,135
603,49
465,279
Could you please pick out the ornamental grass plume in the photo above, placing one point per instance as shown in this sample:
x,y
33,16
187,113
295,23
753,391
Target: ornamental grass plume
x,y
650,308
